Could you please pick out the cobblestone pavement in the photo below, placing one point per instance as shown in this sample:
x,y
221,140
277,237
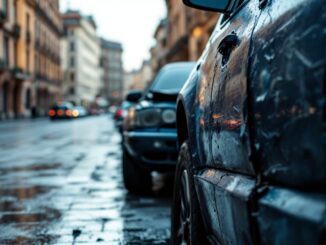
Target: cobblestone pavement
x,y
61,183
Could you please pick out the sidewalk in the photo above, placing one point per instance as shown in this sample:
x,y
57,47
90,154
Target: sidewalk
x,y
7,122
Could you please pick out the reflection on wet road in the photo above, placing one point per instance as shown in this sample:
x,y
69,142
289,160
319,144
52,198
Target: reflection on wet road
x,y
60,183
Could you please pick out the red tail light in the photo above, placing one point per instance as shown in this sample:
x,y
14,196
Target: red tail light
x,y
119,113
68,113
52,113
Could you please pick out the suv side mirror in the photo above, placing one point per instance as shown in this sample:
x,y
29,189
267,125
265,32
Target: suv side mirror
x,y
134,96
223,6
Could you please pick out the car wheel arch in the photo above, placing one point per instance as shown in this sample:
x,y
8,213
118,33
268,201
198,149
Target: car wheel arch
x,y
182,125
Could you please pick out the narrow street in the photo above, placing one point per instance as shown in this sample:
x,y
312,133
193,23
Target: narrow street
x,y
61,183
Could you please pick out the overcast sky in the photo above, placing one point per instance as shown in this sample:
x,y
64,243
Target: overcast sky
x,y
131,22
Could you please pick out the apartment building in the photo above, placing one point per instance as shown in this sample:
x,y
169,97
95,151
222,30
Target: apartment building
x,y
48,31
81,59
9,34
183,35
159,51
111,63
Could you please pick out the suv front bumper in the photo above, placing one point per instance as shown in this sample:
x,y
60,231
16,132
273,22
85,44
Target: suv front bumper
x,y
153,150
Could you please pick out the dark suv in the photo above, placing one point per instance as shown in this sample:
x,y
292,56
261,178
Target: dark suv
x,y
251,124
149,130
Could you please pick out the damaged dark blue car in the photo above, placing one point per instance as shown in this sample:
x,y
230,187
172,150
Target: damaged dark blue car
x,y
251,123
149,130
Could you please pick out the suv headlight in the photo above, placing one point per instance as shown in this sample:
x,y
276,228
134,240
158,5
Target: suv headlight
x,y
149,117
168,116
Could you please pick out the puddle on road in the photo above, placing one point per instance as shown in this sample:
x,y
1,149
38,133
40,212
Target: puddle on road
x,y
33,167
29,228
22,193
11,206
80,157
97,174
52,136
47,214
6,146
36,239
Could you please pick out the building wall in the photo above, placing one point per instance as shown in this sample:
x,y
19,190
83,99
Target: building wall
x,y
82,57
17,35
7,58
178,35
25,47
7,27
48,29
87,61
111,61
187,32
159,51
201,26
142,77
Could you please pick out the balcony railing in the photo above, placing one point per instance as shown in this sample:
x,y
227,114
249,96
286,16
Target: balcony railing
x,y
20,74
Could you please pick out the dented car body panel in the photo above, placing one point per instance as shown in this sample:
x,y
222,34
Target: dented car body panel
x,y
227,200
291,217
228,131
288,93
257,113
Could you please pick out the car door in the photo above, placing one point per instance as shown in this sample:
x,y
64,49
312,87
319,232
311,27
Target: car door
x,y
230,143
288,81
225,186
288,92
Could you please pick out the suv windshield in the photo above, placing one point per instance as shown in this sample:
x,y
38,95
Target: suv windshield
x,y
171,80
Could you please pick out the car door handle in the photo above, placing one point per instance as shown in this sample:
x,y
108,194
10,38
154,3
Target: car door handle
x,y
227,45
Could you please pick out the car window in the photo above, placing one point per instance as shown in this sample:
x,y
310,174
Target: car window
x,y
125,105
171,80
227,17
59,107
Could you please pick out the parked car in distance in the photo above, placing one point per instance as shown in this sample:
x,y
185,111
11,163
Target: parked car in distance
x,y
149,130
61,110
252,127
79,112
112,109
132,97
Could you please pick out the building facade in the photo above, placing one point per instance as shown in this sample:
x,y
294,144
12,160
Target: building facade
x,y
25,99
159,51
29,57
48,31
183,36
178,31
9,34
17,53
112,77
200,26
81,59
140,79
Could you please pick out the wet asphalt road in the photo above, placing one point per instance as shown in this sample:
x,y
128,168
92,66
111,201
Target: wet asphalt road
x,y
61,183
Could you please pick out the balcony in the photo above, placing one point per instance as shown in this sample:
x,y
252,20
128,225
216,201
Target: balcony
x,y
20,74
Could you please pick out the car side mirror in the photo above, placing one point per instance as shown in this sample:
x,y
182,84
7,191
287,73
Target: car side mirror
x,y
134,96
223,6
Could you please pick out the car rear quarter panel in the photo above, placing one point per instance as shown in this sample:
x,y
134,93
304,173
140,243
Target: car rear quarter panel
x,y
288,93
